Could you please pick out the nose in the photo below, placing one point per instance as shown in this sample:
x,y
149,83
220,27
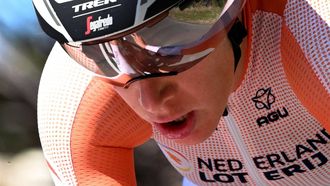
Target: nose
x,y
156,94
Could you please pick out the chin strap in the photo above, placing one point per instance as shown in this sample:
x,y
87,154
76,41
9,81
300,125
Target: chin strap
x,y
225,112
236,35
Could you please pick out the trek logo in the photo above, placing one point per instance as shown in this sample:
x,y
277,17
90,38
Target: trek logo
x,y
90,4
98,25
264,100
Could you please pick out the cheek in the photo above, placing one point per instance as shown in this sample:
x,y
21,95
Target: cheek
x,y
212,78
130,96
211,82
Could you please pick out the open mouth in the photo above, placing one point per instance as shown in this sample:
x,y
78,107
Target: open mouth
x,y
178,128
177,122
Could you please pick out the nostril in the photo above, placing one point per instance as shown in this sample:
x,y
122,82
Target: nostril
x,y
149,97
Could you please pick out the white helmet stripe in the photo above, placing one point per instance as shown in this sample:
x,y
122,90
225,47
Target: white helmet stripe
x,y
141,10
63,1
49,15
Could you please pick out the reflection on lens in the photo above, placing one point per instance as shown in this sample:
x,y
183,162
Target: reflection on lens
x,y
167,46
198,12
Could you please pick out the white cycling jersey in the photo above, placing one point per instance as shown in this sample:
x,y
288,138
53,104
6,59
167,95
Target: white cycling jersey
x,y
276,131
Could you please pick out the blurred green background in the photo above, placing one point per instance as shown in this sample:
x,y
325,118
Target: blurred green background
x,y
23,51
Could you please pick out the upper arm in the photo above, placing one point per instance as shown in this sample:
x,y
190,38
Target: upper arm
x,y
305,49
87,131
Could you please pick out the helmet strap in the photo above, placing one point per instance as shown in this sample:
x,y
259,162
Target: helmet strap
x,y
225,112
236,35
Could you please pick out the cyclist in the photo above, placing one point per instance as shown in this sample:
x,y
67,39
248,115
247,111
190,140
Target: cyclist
x,y
239,98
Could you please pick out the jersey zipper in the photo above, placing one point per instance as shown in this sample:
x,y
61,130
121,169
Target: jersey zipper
x,y
236,134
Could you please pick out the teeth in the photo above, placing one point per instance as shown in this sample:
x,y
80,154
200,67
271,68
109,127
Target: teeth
x,y
180,119
177,121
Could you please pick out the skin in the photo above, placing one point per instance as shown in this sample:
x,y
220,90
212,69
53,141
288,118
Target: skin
x,y
203,89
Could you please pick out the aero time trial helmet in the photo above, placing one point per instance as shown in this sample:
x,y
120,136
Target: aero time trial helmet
x,y
103,35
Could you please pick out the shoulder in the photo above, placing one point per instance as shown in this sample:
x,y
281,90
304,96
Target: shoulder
x,y
304,48
74,96
81,121
305,51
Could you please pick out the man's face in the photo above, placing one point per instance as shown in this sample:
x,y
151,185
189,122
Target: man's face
x,y
186,107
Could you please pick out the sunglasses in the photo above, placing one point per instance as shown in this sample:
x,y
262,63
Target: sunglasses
x,y
169,44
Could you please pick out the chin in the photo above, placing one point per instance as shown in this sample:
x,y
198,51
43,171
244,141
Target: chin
x,y
194,139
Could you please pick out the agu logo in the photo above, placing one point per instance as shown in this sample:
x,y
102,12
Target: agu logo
x,y
177,159
264,99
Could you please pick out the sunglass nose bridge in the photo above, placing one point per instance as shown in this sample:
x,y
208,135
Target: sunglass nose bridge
x,y
147,76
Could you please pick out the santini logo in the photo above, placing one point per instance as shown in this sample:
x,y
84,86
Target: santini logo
x,y
264,100
99,24
177,159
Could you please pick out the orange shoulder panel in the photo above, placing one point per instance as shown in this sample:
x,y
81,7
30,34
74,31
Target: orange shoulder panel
x,y
303,79
275,6
251,6
104,133
311,92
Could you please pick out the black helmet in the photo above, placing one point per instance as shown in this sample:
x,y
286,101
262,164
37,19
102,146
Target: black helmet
x,y
81,20
105,35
